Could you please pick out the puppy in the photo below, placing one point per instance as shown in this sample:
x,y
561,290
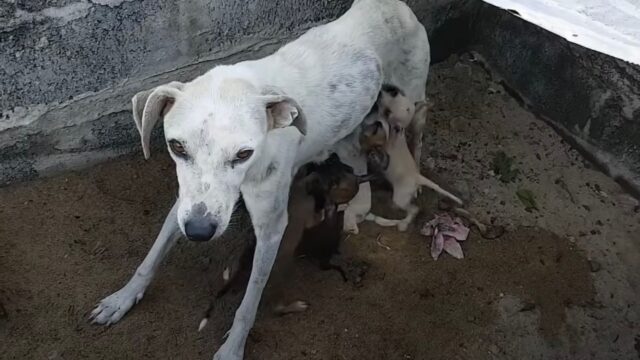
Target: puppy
x,y
373,140
402,172
314,230
398,108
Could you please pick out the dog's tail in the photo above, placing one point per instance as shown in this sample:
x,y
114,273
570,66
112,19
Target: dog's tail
x,y
435,187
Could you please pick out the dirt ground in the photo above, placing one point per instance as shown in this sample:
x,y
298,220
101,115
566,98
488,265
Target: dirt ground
x,y
562,283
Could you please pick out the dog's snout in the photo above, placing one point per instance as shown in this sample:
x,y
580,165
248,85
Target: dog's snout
x,y
200,228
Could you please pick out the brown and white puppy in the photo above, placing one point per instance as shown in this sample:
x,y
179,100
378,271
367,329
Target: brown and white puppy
x,y
314,230
402,171
398,108
373,140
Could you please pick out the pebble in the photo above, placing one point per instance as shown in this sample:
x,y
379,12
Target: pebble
x,y
594,266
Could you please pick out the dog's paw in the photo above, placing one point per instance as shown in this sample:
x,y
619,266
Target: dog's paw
x,y
112,308
403,226
226,353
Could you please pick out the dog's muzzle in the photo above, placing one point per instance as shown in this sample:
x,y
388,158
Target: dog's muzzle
x,y
200,229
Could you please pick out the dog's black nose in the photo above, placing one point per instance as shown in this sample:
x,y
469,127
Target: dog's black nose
x,y
200,229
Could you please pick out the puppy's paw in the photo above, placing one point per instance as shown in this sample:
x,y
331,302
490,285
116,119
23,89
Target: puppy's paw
x,y
403,226
112,308
295,307
351,228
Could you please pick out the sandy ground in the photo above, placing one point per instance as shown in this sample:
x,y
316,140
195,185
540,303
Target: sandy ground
x,y
562,283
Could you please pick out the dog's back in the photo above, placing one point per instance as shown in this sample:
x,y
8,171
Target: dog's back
x,y
336,78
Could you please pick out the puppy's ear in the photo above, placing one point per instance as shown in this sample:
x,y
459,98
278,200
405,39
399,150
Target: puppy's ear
x,y
283,111
151,105
366,178
421,108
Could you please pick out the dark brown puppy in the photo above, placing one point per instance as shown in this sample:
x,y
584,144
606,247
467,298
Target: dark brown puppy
x,y
334,184
373,140
314,230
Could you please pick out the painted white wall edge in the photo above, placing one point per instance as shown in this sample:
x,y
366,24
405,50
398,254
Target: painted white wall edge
x,y
608,26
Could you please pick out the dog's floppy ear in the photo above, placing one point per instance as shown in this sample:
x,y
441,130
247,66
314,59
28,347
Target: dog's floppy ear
x,y
283,111
151,105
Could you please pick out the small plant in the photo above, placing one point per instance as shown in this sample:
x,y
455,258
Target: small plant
x,y
503,167
528,199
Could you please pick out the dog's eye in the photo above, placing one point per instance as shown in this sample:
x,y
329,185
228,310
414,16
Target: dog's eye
x,y
177,148
243,155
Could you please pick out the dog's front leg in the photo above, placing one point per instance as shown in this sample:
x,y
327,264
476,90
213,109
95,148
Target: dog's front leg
x,y
267,205
115,306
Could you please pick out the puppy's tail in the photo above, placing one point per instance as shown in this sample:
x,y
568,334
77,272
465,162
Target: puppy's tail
x,y
435,187
384,222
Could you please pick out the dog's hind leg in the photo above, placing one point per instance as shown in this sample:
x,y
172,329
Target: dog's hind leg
x,y
115,306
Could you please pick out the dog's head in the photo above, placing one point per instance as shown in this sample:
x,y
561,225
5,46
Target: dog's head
x,y
395,107
215,128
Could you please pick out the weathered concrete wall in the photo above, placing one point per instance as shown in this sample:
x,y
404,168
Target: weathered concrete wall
x,y
68,68
592,99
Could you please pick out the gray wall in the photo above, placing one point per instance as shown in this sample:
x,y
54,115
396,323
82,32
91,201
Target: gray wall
x,y
591,99
68,68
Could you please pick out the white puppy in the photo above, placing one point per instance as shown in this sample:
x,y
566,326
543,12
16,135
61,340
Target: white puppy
x,y
246,129
402,171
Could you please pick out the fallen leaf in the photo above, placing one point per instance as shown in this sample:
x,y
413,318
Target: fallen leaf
x,y
503,167
528,199
452,247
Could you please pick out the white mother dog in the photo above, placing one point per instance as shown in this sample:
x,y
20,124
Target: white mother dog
x,y
247,128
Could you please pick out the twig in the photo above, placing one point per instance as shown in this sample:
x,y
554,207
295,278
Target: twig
x,y
380,243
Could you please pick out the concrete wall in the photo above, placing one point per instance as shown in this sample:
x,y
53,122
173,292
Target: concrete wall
x,y
68,68
591,99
